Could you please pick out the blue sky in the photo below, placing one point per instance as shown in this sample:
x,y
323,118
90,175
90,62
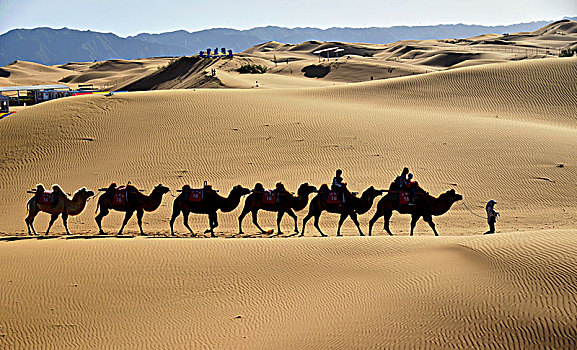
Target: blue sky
x,y
132,17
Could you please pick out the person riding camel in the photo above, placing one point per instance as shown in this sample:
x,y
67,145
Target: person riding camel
x,y
339,186
280,191
411,187
401,181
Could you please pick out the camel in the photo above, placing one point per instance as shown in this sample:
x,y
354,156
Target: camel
x,y
353,205
288,203
209,205
136,201
425,206
65,206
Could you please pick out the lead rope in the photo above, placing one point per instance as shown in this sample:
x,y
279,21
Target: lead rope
x,y
482,217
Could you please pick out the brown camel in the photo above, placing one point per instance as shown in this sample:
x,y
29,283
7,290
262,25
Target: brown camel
x,y
287,203
425,206
65,206
208,205
352,206
135,201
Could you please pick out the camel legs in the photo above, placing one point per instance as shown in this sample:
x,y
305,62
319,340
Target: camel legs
x,y
414,220
293,215
65,221
139,215
254,220
175,214
429,219
317,217
53,218
344,216
309,215
279,216
307,218
30,221
212,222
373,220
126,218
185,221
103,212
354,217
387,215
241,217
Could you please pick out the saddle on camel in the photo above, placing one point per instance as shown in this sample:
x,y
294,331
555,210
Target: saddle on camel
x,y
205,201
425,206
128,199
327,200
55,202
278,200
197,195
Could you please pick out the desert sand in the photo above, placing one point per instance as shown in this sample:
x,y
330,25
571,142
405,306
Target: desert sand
x,y
505,130
502,291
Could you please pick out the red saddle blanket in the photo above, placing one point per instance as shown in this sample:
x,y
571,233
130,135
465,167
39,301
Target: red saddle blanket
x,y
333,198
269,197
196,195
120,196
404,197
45,198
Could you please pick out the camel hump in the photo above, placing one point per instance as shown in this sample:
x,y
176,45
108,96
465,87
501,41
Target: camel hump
x,y
58,190
324,188
40,188
258,187
131,188
186,188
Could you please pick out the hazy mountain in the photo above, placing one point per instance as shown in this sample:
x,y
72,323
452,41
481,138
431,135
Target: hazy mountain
x,y
239,40
57,46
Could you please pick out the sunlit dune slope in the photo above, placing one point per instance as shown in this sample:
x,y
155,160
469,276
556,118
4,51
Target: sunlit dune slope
x,y
503,131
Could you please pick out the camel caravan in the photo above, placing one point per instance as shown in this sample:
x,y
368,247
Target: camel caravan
x,y
403,195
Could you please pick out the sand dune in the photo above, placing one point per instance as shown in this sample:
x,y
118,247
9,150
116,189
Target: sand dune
x,y
494,131
509,290
488,117
358,62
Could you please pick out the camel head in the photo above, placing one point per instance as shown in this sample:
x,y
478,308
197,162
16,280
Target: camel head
x,y
83,193
160,189
371,192
306,189
452,196
239,190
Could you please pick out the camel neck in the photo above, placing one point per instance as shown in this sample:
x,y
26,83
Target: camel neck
x,y
230,203
441,205
76,205
300,202
152,202
365,203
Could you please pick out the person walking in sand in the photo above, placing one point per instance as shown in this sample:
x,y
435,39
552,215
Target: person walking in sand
x,y
491,215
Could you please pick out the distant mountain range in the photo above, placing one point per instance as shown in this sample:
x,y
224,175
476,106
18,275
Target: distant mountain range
x,y
57,46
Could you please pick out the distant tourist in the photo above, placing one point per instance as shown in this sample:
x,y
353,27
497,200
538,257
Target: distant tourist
x,y
491,215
